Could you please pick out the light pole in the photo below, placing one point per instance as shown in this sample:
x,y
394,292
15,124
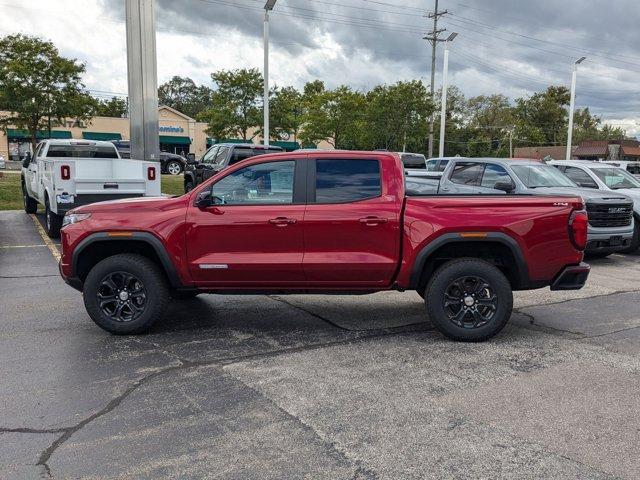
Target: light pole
x,y
445,70
267,8
572,105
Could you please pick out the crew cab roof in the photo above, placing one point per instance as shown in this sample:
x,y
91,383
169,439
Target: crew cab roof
x,y
249,145
96,143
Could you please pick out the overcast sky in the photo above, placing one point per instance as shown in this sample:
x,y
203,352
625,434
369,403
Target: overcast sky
x,y
514,47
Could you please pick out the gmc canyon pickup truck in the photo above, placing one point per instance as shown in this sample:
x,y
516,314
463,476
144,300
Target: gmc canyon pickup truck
x,y
323,222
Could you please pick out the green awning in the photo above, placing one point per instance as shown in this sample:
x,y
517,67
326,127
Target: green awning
x,y
101,136
175,140
288,146
40,134
310,145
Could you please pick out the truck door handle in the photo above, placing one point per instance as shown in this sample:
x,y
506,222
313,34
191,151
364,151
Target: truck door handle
x,y
371,220
282,221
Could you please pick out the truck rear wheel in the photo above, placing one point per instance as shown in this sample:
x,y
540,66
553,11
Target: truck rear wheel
x,y
52,221
125,294
469,300
30,205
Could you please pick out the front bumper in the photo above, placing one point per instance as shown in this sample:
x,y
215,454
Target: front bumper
x,y
572,277
71,281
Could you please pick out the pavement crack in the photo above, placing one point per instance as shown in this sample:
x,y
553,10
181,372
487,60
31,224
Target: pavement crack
x,y
546,328
29,276
31,430
612,332
115,402
309,312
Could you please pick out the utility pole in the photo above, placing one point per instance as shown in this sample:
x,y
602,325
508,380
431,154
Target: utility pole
x,y
445,70
432,37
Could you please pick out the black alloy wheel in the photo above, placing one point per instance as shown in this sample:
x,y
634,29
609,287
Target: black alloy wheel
x,y
122,296
470,302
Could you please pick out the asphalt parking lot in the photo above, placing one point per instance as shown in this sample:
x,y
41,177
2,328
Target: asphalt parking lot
x,y
275,387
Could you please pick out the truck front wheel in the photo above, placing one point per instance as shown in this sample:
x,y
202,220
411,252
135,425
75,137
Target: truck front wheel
x,y
52,221
469,300
30,205
125,294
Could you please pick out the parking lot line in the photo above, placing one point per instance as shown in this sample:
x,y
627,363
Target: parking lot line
x,y
52,248
22,246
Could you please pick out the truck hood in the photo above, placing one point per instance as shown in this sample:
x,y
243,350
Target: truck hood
x,y
586,193
634,194
131,204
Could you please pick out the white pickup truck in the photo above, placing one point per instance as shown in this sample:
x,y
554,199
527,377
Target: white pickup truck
x,y
64,174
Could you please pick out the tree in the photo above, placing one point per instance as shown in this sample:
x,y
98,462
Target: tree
x,y
114,107
545,113
38,85
589,127
184,95
335,116
239,94
220,119
286,112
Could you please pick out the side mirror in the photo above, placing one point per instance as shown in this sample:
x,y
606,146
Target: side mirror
x,y
204,199
191,158
587,185
506,187
26,162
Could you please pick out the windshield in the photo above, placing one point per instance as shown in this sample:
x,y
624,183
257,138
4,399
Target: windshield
x,y
536,176
81,151
616,178
413,160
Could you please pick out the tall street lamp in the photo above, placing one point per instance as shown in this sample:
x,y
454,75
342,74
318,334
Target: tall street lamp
x,y
445,71
572,105
267,8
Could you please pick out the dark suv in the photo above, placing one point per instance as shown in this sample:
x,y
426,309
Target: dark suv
x,y
170,163
220,156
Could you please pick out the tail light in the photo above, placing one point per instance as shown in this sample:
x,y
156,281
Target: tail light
x,y
151,173
65,172
578,226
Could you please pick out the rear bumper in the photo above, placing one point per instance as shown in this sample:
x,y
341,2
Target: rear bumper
x,y
572,277
80,200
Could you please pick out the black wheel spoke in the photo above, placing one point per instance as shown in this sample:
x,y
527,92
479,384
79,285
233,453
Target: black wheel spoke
x,y
122,296
470,302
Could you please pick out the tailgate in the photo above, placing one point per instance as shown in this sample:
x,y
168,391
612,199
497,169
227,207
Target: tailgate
x,y
108,176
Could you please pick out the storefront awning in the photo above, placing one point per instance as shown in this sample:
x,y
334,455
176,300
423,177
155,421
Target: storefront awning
x,y
101,136
175,140
40,134
288,146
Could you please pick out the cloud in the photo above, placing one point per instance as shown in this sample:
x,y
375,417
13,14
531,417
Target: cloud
x,y
506,46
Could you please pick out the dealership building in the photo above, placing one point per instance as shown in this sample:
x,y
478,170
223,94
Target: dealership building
x,y
178,133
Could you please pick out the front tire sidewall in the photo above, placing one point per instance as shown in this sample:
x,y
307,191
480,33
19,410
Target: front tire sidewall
x,y
149,275
30,205
434,296
52,222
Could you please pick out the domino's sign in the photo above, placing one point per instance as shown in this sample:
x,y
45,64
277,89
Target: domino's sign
x,y
171,129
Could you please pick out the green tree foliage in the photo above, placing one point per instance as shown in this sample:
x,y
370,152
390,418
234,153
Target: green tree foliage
x,y
285,113
37,84
184,95
545,114
113,107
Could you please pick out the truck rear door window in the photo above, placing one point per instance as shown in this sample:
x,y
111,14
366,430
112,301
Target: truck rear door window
x,y
242,153
342,181
81,151
467,173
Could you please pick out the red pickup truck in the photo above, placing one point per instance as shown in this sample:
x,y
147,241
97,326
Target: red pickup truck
x,y
324,222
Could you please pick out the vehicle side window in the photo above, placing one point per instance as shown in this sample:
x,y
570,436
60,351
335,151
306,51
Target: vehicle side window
x,y
341,181
494,174
432,166
467,173
442,165
240,154
633,169
209,155
580,177
38,151
221,155
261,184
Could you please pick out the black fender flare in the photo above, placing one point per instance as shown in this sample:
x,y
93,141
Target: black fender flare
x,y
142,237
455,237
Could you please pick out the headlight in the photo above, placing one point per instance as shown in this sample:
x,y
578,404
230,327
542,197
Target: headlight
x,y
71,218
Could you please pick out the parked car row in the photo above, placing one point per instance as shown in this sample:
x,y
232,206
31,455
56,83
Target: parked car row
x,y
611,195
170,163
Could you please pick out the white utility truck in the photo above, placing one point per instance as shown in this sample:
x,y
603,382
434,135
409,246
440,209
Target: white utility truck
x,y
64,174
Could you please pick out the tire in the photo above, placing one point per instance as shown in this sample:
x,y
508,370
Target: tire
x,y
173,167
471,281
188,186
52,221
147,294
635,240
30,205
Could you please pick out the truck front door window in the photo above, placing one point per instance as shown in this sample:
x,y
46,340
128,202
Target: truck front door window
x,y
580,177
210,155
494,174
261,184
